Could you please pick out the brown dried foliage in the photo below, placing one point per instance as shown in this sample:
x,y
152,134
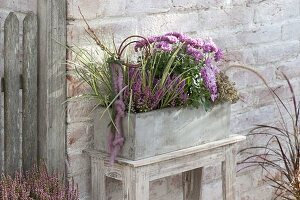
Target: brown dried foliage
x,y
227,90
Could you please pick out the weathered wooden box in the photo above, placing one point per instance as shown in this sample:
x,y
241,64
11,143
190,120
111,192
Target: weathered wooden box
x,y
162,131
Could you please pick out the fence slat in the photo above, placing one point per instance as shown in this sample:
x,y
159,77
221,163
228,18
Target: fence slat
x,y
29,119
52,83
1,127
11,95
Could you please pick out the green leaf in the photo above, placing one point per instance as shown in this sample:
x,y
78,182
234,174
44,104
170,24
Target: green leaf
x,y
168,66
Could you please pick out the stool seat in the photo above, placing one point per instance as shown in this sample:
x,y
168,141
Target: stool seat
x,y
136,174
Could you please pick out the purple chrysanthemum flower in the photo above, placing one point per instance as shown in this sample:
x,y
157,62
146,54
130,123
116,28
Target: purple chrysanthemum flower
x,y
209,46
195,53
138,46
142,43
192,42
165,46
184,38
167,38
219,55
152,39
175,34
172,39
198,43
209,78
163,42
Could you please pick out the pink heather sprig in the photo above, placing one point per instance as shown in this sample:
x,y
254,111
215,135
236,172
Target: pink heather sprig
x,y
37,184
208,74
208,63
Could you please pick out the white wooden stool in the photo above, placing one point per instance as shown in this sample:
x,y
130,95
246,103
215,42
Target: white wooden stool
x,y
136,175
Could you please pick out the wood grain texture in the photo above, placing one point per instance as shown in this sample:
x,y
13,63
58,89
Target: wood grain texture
x,y
20,83
1,125
192,184
136,184
52,83
127,178
190,161
167,156
115,172
98,180
29,97
186,163
12,137
229,173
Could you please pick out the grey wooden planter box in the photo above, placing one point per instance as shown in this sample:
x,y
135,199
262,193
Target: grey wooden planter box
x,y
162,131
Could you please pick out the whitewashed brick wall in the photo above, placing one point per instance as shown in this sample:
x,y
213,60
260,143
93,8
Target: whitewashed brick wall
x,y
262,33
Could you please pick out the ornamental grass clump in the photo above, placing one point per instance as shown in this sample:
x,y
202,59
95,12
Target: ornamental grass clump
x,y
36,184
279,156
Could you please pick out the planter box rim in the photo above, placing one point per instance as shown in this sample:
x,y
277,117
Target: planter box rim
x,y
170,109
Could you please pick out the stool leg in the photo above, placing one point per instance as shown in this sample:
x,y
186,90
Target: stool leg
x,y
229,173
135,185
126,182
192,184
98,180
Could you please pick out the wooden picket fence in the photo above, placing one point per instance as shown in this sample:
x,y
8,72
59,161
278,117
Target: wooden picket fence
x,y
20,139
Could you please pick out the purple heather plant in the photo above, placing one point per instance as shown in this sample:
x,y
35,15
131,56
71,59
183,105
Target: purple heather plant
x,y
209,78
150,97
36,184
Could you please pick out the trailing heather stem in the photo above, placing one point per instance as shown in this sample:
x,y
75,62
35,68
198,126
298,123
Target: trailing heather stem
x,y
116,139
